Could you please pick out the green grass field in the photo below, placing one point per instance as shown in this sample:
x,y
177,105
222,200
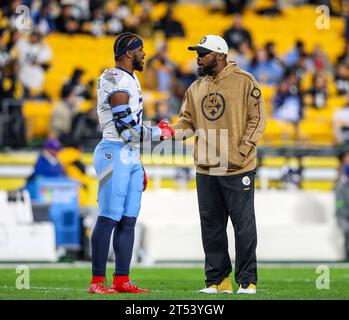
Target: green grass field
x,y
285,282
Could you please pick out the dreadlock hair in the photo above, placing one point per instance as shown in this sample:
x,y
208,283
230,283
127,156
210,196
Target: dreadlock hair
x,y
122,42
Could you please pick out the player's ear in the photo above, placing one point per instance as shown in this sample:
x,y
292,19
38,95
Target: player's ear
x,y
128,54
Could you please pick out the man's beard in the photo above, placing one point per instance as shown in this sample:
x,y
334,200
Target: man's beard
x,y
207,70
137,64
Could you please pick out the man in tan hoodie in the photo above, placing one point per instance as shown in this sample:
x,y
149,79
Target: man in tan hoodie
x,y
225,111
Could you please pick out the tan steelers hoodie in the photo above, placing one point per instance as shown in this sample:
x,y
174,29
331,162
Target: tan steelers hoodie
x,y
227,115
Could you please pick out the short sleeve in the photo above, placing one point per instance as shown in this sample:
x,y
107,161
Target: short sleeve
x,y
112,82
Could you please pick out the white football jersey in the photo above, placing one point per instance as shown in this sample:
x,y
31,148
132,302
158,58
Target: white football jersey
x,y
30,74
112,81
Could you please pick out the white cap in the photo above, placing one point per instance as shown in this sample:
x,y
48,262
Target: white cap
x,y
211,43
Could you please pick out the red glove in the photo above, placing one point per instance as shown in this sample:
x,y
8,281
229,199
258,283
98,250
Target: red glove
x,y
145,180
167,131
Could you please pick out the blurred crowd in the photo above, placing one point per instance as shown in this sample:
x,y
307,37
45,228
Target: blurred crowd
x,y
26,56
287,73
95,17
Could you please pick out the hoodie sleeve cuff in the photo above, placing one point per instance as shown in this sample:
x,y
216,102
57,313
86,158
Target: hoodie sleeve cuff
x,y
244,149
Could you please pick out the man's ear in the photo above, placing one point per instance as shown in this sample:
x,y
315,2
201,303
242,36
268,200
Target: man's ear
x,y
128,54
222,57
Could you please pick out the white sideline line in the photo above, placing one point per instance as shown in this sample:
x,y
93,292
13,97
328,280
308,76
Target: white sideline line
x,y
59,289
46,288
260,291
87,265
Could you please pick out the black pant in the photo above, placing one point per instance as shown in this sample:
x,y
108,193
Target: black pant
x,y
220,197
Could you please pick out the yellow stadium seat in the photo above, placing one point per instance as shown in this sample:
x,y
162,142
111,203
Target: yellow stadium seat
x,y
316,115
279,133
337,102
37,115
316,132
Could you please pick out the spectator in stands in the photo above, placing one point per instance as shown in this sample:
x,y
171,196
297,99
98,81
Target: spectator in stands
x,y
342,196
161,111
113,23
175,100
317,95
145,26
320,61
47,164
160,71
4,54
123,10
66,21
80,89
287,106
43,20
236,6
241,56
95,24
293,82
63,114
10,86
71,125
9,11
271,52
34,56
170,26
237,34
295,54
12,132
15,35
186,74
82,8
344,57
341,124
342,79
301,67
265,71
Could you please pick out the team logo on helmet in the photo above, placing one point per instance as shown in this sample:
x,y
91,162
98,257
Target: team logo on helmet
x,y
246,181
213,106
203,40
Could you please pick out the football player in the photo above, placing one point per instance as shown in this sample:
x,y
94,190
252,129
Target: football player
x,y
121,176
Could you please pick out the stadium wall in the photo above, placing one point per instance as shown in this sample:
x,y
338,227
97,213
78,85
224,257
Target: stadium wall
x,y
292,225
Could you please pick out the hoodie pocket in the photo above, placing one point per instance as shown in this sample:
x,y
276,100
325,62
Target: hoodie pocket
x,y
217,149
207,151
236,160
